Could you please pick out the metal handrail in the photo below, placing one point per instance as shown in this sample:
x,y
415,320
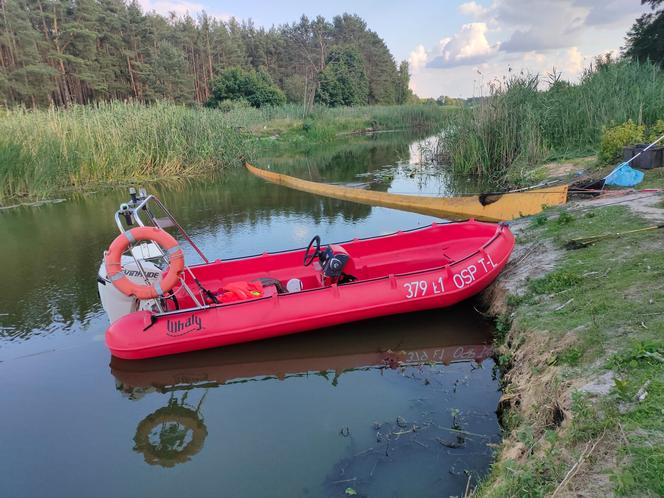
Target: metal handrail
x,y
131,212
134,212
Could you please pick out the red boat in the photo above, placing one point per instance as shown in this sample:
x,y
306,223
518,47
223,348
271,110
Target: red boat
x,y
185,308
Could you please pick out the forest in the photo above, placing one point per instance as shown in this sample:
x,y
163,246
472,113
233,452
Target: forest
x,y
63,52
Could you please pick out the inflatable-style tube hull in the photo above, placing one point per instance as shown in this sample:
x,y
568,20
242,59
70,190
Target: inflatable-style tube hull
x,y
473,253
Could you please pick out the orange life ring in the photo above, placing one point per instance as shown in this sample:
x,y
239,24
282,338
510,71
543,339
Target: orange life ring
x,y
113,262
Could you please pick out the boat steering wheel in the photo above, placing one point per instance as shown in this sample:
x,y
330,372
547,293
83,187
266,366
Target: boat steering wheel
x,y
308,255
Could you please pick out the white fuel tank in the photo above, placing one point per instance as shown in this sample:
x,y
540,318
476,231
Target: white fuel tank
x,y
114,302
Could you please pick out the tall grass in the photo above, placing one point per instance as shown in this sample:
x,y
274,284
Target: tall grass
x,y
322,124
519,125
325,124
46,151
378,116
50,150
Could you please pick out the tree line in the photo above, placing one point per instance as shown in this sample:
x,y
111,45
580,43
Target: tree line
x,y
63,52
645,41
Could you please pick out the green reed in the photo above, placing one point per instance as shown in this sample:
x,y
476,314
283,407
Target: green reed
x,y
45,151
519,125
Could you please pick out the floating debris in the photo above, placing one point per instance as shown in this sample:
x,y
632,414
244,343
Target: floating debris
x,y
33,204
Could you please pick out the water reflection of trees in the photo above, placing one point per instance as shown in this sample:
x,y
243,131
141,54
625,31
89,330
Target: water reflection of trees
x,y
54,251
341,162
243,199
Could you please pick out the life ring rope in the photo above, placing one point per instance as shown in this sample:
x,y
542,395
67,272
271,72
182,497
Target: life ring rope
x,y
172,252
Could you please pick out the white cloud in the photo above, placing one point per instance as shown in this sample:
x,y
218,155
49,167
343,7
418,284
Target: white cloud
x,y
474,81
569,62
418,58
547,14
537,39
535,36
468,46
575,62
539,24
550,24
180,8
473,9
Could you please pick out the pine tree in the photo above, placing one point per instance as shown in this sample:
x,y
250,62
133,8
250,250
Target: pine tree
x,y
645,41
26,78
344,81
64,52
403,92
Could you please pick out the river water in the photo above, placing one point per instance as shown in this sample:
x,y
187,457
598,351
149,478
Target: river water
x,y
395,407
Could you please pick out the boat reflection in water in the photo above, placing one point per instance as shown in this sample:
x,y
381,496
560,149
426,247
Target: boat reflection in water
x,y
174,433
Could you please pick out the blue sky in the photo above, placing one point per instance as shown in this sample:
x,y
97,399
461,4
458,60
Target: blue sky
x,y
457,47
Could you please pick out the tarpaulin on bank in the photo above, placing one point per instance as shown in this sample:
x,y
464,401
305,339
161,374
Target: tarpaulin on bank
x,y
624,176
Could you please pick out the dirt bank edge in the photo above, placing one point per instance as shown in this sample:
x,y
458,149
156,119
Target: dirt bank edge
x,y
572,424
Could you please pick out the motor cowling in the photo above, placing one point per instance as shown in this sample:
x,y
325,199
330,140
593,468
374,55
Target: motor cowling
x,y
115,303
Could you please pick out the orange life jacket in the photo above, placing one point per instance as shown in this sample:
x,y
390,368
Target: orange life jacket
x,y
240,291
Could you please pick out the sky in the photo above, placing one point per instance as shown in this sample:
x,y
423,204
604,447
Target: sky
x,y
459,48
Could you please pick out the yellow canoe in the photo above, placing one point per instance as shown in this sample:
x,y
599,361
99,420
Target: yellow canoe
x,y
495,207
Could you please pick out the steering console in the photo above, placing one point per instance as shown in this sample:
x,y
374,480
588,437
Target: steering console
x,y
333,260
309,256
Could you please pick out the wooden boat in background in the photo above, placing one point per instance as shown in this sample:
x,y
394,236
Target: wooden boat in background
x,y
489,207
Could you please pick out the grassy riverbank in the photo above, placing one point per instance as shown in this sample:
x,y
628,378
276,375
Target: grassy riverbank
x,y
44,152
518,126
581,339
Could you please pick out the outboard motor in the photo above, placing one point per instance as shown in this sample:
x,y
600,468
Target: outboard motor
x,y
145,262
115,303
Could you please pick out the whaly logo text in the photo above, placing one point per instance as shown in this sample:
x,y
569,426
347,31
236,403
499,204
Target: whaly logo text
x,y
181,327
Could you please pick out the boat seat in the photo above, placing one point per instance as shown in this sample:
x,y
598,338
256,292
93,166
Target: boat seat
x,y
403,261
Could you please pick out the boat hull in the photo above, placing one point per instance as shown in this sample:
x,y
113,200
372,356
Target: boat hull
x,y
143,334
427,337
491,207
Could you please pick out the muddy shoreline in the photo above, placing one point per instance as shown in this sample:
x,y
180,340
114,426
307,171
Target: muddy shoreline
x,y
536,386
